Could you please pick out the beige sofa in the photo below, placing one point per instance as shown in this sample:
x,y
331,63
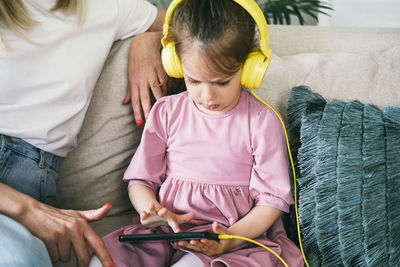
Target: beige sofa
x,y
340,63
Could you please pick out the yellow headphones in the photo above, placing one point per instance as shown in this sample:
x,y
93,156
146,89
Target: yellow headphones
x,y
254,66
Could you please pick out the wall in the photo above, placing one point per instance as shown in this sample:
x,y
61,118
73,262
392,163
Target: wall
x,y
348,13
363,13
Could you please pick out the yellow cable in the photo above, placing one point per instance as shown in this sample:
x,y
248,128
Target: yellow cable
x,y
255,242
294,174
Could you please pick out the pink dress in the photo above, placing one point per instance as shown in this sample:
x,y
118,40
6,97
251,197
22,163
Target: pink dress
x,y
217,166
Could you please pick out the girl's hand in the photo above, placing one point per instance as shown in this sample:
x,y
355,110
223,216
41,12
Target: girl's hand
x,y
158,215
207,246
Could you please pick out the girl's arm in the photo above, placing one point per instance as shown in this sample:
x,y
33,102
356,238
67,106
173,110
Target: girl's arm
x,y
254,224
141,197
151,213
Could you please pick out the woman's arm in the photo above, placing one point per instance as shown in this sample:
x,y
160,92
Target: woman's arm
x,y
158,22
145,70
58,229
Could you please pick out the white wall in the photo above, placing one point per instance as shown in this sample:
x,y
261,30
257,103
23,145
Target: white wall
x,y
348,13
363,13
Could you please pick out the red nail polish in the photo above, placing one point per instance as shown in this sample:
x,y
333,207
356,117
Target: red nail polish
x,y
107,204
139,123
111,266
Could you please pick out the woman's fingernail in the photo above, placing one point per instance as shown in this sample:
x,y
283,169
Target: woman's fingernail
x,y
139,123
107,204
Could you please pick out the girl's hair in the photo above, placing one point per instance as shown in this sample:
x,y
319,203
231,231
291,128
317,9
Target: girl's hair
x,y
15,16
222,30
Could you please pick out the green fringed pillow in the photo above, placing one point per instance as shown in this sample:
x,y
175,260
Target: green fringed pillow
x,y
347,160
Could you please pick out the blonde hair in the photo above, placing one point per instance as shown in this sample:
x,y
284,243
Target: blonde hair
x,y
15,16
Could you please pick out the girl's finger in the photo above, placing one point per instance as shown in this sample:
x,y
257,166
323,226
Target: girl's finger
x,y
144,214
184,218
162,212
174,225
218,229
151,206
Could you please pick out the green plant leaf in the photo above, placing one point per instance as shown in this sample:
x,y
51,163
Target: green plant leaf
x,y
281,10
298,14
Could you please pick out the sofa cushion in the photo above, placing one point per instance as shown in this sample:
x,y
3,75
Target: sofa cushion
x,y
369,76
347,158
286,40
91,175
341,63
345,69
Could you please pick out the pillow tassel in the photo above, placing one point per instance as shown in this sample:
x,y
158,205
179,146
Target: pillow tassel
x,y
374,188
326,185
307,180
349,185
391,117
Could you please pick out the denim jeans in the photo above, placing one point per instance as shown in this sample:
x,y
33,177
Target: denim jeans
x,y
31,171
28,169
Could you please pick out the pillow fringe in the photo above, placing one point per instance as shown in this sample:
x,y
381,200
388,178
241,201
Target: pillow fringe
x,y
307,180
347,157
326,186
374,188
349,185
391,117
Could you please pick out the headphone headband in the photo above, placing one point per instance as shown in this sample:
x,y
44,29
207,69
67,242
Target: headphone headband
x,y
254,66
249,5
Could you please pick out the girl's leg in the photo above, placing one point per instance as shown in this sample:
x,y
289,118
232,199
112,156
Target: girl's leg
x,y
18,247
189,260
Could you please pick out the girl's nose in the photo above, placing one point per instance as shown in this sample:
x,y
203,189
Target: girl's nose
x,y
208,93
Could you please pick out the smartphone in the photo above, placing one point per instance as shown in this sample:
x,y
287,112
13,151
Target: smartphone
x,y
168,236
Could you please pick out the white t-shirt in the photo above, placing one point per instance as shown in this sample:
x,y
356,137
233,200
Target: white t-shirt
x,y
45,88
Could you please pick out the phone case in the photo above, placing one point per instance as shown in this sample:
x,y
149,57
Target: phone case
x,y
168,236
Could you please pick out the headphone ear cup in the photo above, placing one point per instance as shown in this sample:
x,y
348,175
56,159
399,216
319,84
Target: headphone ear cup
x,y
254,69
171,62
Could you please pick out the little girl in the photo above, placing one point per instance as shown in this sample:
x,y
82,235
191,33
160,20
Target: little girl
x,y
211,159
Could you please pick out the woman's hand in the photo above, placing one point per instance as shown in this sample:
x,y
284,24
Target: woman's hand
x,y
156,216
145,72
207,246
58,229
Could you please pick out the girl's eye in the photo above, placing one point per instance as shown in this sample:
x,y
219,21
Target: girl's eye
x,y
193,81
223,83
